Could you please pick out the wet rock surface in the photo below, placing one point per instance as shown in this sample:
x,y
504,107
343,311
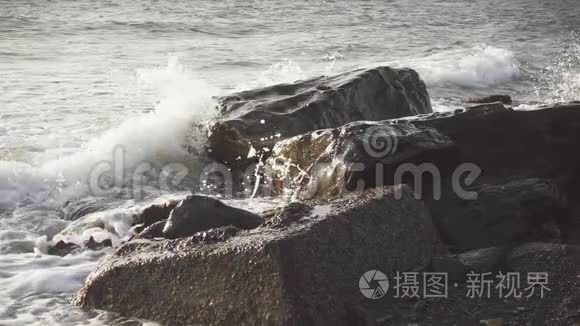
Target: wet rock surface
x,y
302,273
505,99
326,142
501,213
201,213
156,212
63,248
463,306
361,154
559,305
525,161
511,143
458,266
154,230
259,118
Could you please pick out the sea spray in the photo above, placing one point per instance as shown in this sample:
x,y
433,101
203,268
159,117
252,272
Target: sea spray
x,y
561,78
480,67
157,137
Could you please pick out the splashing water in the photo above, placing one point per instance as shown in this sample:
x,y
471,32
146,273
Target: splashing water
x,y
32,198
562,76
483,66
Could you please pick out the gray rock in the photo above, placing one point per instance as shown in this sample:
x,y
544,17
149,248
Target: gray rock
x,y
305,273
62,248
527,159
201,213
92,244
505,99
507,143
501,214
288,110
361,155
457,266
288,215
156,212
154,230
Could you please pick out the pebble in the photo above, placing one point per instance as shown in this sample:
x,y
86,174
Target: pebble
x,y
492,322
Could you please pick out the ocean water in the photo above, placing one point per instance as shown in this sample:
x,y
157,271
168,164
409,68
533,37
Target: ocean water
x,y
80,80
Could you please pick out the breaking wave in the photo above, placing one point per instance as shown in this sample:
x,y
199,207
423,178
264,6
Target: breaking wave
x,y
166,134
482,67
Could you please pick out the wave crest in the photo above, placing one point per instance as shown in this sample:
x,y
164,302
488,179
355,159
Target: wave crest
x,y
483,67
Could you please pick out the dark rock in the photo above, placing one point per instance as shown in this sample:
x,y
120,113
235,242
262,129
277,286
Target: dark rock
x,y
483,260
62,248
288,215
154,230
558,306
455,269
259,118
486,108
359,316
505,99
361,155
457,266
512,143
220,234
73,210
500,215
306,273
156,212
92,244
201,213
527,161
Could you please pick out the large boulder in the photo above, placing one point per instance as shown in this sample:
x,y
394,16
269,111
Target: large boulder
x,y
502,142
514,143
501,214
259,118
303,270
554,304
357,156
523,163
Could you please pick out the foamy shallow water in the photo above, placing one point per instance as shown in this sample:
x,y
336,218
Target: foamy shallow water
x,y
82,80
35,288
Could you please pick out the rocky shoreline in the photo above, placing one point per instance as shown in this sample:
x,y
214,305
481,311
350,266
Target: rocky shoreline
x,y
379,182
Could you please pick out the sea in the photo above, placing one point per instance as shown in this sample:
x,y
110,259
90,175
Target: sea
x,y
82,79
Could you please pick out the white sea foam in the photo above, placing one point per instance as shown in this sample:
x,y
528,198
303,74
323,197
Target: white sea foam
x,y
156,137
562,76
481,67
31,197
285,71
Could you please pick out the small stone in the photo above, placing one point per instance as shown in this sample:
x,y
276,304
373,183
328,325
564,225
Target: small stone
x,y
384,319
492,322
505,99
201,213
62,248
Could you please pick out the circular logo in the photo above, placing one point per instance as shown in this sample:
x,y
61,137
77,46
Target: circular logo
x,y
380,141
373,284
